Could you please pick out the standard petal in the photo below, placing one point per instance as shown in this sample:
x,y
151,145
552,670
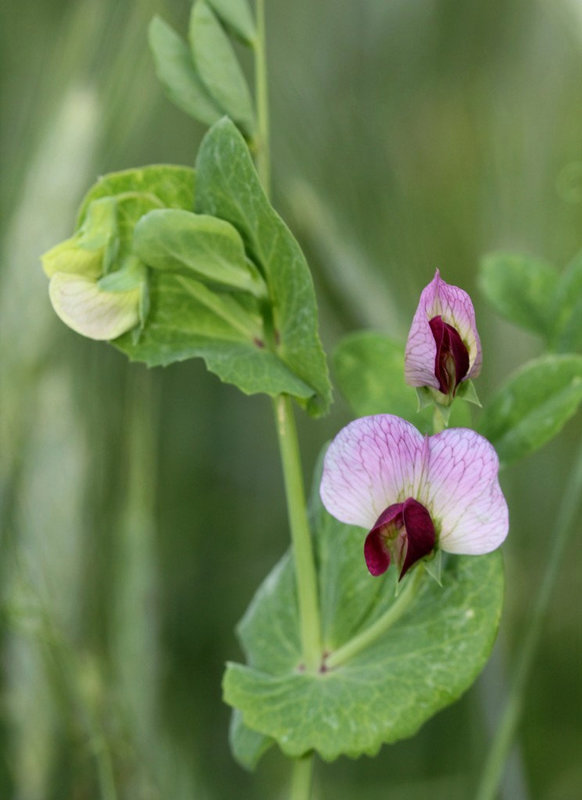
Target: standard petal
x,y
372,463
421,348
462,493
94,313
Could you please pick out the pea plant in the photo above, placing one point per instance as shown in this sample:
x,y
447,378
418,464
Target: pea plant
x,y
386,606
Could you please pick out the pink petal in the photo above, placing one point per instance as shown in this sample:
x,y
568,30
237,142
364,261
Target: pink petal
x,y
421,348
455,307
372,463
376,553
462,492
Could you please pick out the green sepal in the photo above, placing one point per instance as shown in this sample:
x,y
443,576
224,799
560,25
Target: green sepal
x,y
443,413
434,566
466,391
424,398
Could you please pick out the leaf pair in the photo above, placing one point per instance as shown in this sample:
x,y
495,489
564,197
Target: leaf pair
x,y
532,294
203,77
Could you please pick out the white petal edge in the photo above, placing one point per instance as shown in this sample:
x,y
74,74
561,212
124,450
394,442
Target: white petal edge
x,y
86,309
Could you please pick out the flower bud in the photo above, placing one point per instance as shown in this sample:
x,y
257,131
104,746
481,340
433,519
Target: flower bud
x,y
443,348
84,293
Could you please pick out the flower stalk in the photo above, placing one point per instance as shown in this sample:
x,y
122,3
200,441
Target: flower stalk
x,y
390,617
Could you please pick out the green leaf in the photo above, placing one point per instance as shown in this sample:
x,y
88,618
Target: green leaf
x,y
170,187
217,65
386,692
237,16
177,73
173,239
187,320
521,289
533,406
228,187
369,370
247,746
568,309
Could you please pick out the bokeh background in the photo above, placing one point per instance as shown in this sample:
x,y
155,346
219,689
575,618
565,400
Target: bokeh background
x,y
141,509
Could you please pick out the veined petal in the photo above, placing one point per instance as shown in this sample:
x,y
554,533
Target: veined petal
x,y
90,311
421,348
456,309
461,490
371,464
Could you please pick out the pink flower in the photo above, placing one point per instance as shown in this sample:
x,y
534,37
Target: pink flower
x,y
414,493
443,347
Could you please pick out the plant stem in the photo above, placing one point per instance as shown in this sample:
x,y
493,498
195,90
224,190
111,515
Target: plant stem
x,y
501,746
302,778
438,421
305,574
300,534
262,100
378,628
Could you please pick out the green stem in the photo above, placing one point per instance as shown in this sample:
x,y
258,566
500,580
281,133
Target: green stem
x,y
502,743
378,628
439,422
262,100
305,574
302,778
300,534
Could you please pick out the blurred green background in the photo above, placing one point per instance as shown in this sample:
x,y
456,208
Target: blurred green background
x,y
140,510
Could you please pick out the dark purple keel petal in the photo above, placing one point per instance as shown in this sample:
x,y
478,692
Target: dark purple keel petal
x,y
452,357
390,515
376,553
420,535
